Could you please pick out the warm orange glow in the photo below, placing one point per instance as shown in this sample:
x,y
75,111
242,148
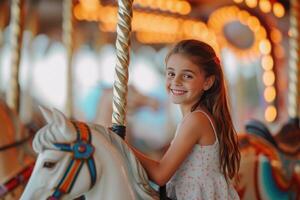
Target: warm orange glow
x,y
78,12
251,3
175,6
265,46
89,5
265,6
270,94
107,27
243,16
186,8
270,113
267,62
279,51
276,35
148,37
268,78
253,23
238,1
219,18
154,28
261,33
278,10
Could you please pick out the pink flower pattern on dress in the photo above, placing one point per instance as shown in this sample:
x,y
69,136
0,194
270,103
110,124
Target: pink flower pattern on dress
x,y
199,177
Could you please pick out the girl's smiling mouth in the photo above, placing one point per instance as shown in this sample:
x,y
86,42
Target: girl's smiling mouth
x,y
178,92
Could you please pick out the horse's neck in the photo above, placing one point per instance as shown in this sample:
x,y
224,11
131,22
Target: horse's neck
x,y
114,182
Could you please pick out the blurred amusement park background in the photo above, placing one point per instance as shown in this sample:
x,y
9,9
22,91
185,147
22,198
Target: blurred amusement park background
x,y
62,54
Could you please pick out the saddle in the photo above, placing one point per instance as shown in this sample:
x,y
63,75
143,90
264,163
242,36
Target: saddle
x,y
285,141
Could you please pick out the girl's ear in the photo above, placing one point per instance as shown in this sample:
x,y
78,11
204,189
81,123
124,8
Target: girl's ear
x,y
209,82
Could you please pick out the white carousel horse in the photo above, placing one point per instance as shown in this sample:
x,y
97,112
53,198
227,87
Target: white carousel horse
x,y
76,159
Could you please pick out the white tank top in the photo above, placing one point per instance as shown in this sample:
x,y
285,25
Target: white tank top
x,y
199,176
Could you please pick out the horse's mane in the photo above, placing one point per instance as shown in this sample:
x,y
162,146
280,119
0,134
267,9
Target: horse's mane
x,y
137,173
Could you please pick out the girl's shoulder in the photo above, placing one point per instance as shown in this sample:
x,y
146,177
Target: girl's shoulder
x,y
200,121
198,118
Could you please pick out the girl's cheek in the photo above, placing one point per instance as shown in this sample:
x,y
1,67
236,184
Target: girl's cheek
x,y
167,85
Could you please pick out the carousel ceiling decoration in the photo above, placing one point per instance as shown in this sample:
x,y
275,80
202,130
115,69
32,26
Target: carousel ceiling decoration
x,y
265,6
229,23
149,27
254,44
173,6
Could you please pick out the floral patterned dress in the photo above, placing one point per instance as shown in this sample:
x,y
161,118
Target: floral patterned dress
x,y
199,177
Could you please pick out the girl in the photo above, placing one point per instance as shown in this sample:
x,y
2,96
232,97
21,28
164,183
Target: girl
x,y
203,155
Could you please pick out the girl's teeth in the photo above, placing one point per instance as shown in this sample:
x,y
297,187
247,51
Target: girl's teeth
x,y
178,92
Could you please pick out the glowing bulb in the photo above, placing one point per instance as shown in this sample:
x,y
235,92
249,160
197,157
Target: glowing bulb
x,y
253,23
276,36
238,1
268,78
278,10
265,6
265,46
186,8
270,94
267,62
251,3
270,113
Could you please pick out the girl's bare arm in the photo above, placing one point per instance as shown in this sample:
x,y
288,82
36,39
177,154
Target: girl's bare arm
x,y
189,134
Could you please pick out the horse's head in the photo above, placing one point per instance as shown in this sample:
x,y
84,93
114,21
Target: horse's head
x,y
64,148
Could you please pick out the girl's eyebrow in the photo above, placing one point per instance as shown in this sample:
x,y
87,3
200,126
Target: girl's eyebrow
x,y
185,70
188,70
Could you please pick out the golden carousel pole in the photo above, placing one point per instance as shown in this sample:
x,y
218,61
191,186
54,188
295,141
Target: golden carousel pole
x,y
68,42
120,87
294,62
17,25
121,70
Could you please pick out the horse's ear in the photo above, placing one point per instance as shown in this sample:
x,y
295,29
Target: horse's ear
x,y
59,117
64,123
47,114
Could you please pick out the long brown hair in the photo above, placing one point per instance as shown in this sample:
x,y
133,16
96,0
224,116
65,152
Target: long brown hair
x,y
215,101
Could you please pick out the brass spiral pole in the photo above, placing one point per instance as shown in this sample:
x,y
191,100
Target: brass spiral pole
x,y
68,42
121,73
17,25
122,63
294,61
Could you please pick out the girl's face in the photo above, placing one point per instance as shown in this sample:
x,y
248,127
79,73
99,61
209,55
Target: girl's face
x,y
185,81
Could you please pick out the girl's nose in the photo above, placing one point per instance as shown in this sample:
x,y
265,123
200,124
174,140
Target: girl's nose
x,y
177,80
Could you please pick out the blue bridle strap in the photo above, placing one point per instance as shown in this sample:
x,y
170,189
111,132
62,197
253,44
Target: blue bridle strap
x,y
82,151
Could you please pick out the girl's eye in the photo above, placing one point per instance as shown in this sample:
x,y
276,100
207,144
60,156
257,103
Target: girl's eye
x,y
170,74
49,165
187,76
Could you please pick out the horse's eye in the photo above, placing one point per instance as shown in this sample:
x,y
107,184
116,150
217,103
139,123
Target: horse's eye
x,y
49,165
